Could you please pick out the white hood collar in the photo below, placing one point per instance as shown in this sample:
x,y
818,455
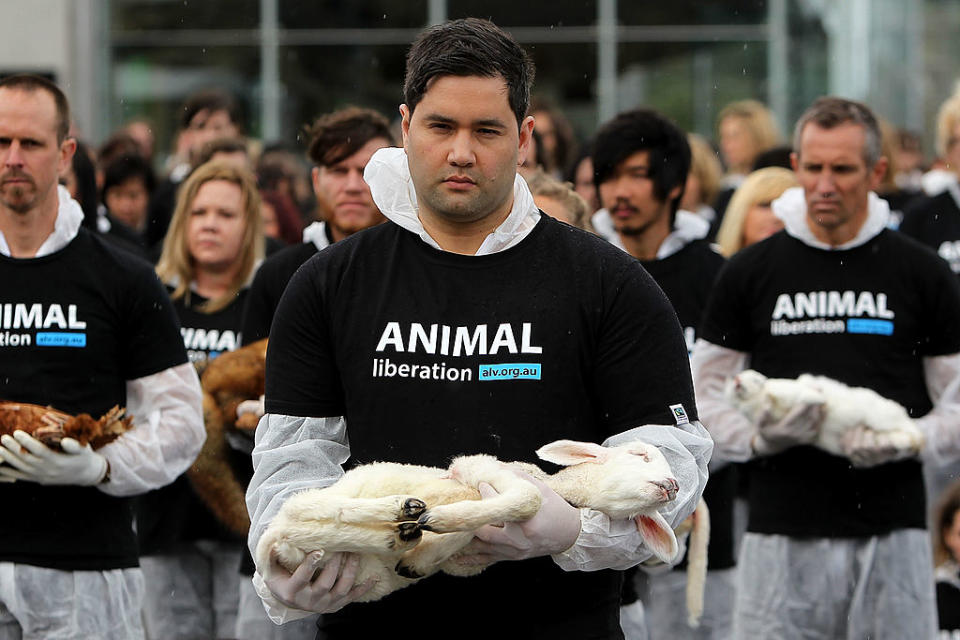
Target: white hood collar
x,y
65,229
687,227
316,232
791,208
388,175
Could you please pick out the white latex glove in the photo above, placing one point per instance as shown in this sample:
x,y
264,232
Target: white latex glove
x,y
868,448
553,529
800,426
75,465
325,592
251,406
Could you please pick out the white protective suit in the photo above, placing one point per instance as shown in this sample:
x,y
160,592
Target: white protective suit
x,y
282,440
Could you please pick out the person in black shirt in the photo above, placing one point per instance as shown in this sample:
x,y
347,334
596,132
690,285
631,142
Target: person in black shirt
x,y
641,161
189,557
833,549
341,144
84,326
406,335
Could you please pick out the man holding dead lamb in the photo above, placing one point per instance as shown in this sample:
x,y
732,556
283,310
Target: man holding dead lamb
x,y
836,545
471,322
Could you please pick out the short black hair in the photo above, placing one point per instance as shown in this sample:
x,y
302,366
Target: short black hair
x,y
469,47
644,130
30,82
125,167
210,100
336,136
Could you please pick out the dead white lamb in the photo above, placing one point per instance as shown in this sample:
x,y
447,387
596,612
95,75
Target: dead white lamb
x,y
408,522
845,408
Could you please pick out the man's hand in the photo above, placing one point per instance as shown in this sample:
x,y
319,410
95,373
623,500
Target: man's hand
x,y
866,447
800,426
31,460
330,590
553,529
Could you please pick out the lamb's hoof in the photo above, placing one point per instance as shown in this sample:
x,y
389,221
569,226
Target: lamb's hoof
x,y
404,571
424,522
408,531
412,509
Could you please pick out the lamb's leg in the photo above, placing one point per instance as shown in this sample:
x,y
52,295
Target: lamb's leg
x,y
518,498
320,520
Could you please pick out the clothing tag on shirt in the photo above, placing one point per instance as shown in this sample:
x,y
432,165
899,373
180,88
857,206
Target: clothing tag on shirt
x,y
679,414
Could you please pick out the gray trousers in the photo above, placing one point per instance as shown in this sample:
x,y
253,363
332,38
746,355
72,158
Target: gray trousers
x,y
37,603
667,611
876,588
193,592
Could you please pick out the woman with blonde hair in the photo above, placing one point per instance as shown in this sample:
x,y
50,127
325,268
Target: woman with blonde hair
x,y
559,199
190,559
746,128
748,218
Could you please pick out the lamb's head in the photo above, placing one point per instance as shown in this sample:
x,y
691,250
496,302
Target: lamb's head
x,y
631,480
745,390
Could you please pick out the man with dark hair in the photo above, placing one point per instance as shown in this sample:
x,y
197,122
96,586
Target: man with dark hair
x,y
85,328
128,182
467,255
642,160
340,146
835,545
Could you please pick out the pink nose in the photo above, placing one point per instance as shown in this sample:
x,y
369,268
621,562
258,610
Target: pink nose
x,y
669,487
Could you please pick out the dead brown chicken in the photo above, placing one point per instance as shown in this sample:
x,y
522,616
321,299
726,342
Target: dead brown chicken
x,y
50,426
228,380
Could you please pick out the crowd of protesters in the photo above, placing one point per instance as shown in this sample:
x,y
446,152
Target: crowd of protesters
x,y
756,239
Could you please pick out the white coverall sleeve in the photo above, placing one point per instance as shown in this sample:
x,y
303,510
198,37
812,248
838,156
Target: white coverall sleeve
x,y
941,426
167,432
290,454
616,544
732,432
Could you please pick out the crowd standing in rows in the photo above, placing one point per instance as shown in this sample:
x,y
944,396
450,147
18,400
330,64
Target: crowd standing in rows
x,y
649,274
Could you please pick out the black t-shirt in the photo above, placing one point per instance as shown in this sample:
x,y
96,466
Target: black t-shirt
x,y
948,604
687,277
935,221
175,513
268,286
866,317
75,326
430,354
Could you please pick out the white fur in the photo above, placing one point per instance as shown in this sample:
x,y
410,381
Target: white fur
x,y
844,407
377,510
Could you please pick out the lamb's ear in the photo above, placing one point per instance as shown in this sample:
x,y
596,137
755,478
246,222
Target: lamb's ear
x,y
568,452
658,536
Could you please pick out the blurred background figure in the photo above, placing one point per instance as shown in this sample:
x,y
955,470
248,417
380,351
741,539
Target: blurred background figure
x,y
746,129
580,175
190,559
703,181
946,167
749,218
281,219
141,131
909,159
128,183
282,169
557,145
81,181
204,116
559,200
229,149
946,555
